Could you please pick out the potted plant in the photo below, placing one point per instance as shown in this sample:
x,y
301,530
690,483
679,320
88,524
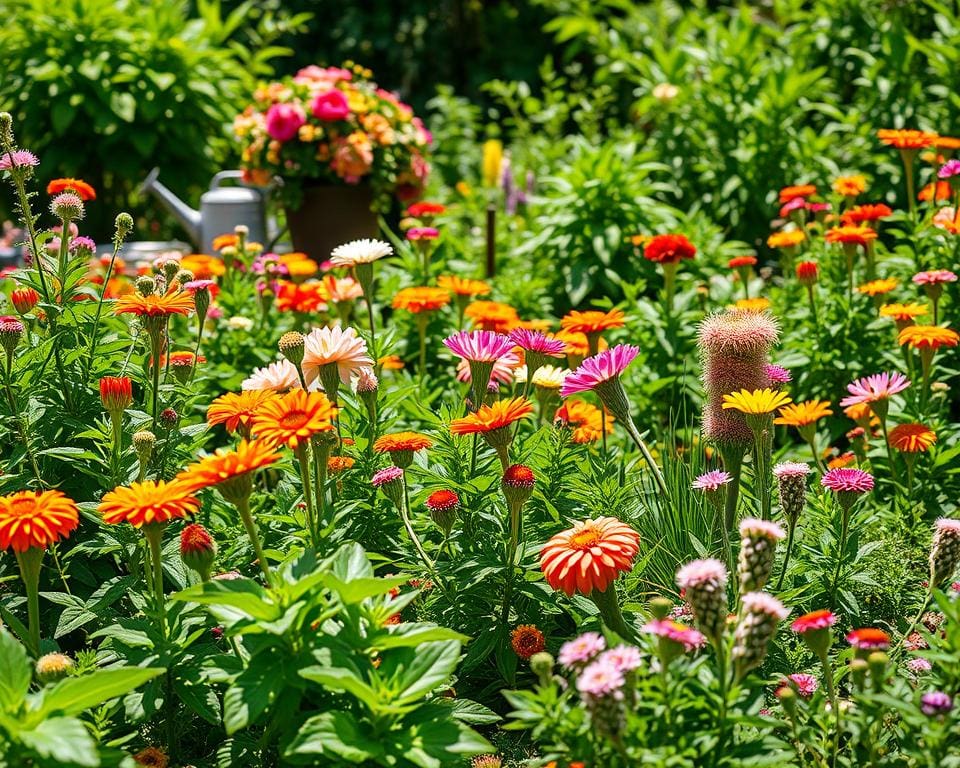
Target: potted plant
x,y
342,148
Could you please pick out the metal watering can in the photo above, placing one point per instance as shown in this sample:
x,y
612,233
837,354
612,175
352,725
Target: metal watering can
x,y
221,209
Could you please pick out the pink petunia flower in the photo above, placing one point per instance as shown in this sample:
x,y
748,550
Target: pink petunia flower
x,y
595,370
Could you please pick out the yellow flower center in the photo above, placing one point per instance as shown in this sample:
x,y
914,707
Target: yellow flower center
x,y
585,539
293,420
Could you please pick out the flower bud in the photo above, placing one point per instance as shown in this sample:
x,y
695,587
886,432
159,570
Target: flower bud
x,y
143,442
443,506
758,624
517,484
291,347
170,269
11,330
758,546
67,206
660,607
198,550
116,394
146,285
6,128
705,585
541,664
390,481
52,667
945,550
792,488
788,699
169,418
24,299
877,661
858,671
182,277
123,225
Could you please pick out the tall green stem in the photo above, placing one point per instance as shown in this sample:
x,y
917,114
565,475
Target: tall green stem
x,y
29,562
246,516
301,454
153,534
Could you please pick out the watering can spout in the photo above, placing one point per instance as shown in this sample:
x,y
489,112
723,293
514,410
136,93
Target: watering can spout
x,y
188,217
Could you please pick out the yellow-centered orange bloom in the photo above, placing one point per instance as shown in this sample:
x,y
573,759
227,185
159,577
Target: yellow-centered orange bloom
x,y
203,267
224,465
862,414
906,138
847,459
488,418
803,414
32,519
148,502
292,419
903,312
492,316
758,402
928,337
421,299
463,286
850,186
787,239
589,556
851,235
577,345
592,321
173,303
337,464
878,287
946,142
391,363
585,419
224,241
912,438
402,441
237,409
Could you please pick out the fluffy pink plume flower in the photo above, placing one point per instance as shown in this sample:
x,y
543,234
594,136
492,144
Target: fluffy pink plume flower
x,y
479,346
777,374
607,365
581,649
767,529
535,341
847,480
870,389
712,481
762,602
791,469
699,572
20,158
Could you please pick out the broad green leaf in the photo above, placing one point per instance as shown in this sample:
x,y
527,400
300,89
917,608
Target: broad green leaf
x,y
340,679
358,590
199,697
244,594
62,739
432,664
15,672
333,733
77,694
350,563
412,634
254,690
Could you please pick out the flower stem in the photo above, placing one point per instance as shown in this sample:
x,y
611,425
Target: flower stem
x,y
246,516
29,562
301,453
609,607
786,557
153,535
841,548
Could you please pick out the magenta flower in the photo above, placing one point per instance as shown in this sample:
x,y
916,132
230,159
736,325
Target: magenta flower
x,y
935,703
804,684
777,374
83,243
595,370
871,389
19,159
935,276
600,679
196,285
479,346
847,480
283,121
422,233
919,666
501,373
581,649
712,481
388,475
330,105
949,169
535,341
686,636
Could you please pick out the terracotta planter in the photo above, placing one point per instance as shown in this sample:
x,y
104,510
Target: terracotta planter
x,y
329,216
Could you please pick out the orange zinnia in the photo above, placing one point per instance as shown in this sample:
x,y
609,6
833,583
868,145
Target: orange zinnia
x,y
173,303
224,466
941,189
787,239
299,297
492,316
390,363
463,286
903,312
589,556
878,287
592,321
35,519
801,190
906,138
84,190
500,414
421,299
148,502
862,414
203,267
237,409
402,441
291,419
860,214
803,414
928,337
584,419
912,438
223,241
850,186
849,235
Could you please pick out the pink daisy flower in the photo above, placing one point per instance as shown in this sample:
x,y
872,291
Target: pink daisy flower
x,y
777,374
479,346
601,679
811,622
847,480
535,341
422,233
686,636
581,649
625,658
934,277
870,389
607,365
804,684
712,481
387,475
502,372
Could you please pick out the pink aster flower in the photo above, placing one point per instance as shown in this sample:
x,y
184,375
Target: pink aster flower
x,y
535,341
847,480
686,636
712,481
777,374
949,169
479,346
388,475
871,389
595,370
502,373
624,658
935,703
339,346
83,243
19,159
934,277
804,684
601,679
580,650
422,233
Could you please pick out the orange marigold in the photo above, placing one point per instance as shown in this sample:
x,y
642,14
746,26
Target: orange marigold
x,y
173,303
903,312
912,438
585,419
592,321
293,418
589,556
500,414
850,186
390,363
463,286
527,640
299,297
402,441
786,239
223,465
928,337
878,287
800,190
204,267
941,190
421,299
148,502
847,459
906,138
337,464
849,235
237,409
35,519
492,316
803,414
228,240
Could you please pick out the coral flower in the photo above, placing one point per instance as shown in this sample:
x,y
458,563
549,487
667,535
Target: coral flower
x,y
84,190
223,466
739,262
421,299
850,186
488,418
906,138
792,193
462,286
24,299
585,419
31,519
299,297
589,556
941,190
912,438
847,481
816,620
425,208
479,346
878,287
668,249
280,376
803,414
527,640
598,369
204,267
758,402
871,389
592,321
928,337
116,393
154,305
402,441
148,502
934,277
849,235
293,418
679,633
865,214
869,639
334,346
787,239
903,313
492,316
236,410
228,240
336,464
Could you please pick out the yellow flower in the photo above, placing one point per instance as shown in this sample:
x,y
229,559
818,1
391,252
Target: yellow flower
x,y
803,414
878,287
758,304
492,162
850,186
759,402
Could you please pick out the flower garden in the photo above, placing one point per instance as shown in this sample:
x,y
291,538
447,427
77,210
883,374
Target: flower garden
x,y
512,445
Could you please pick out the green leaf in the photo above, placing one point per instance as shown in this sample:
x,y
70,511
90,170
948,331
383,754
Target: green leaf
x,y
77,694
199,697
334,733
431,664
123,105
244,594
358,590
15,672
62,739
254,690
414,633
340,679
350,563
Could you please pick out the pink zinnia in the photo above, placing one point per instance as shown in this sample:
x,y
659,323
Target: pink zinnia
x,y
624,658
502,373
712,481
847,480
18,159
791,205
870,389
804,684
387,475
479,346
422,233
934,277
699,572
869,639
949,169
686,636
535,341
601,679
809,622
581,650
777,374
607,365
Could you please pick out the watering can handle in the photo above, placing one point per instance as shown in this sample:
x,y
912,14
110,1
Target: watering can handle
x,y
219,178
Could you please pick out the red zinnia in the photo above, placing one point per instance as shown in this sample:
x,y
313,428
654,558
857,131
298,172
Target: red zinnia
x,y
807,272
116,393
742,261
811,621
527,640
84,190
869,639
669,249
